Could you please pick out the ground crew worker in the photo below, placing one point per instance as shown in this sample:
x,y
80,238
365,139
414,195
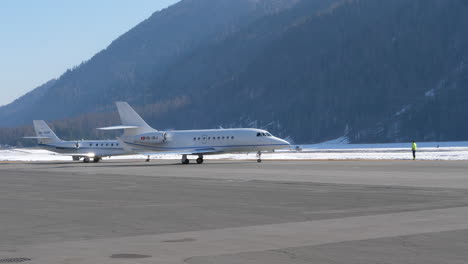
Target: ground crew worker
x,y
414,147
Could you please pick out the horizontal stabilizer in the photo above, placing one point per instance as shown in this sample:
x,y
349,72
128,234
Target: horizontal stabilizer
x,y
117,127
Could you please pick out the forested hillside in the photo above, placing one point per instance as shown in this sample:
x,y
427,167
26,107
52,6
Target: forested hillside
x,y
310,70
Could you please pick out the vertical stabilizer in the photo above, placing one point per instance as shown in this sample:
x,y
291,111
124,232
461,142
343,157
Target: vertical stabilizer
x,y
43,132
129,117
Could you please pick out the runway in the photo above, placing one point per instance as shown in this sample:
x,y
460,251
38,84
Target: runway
x,y
234,212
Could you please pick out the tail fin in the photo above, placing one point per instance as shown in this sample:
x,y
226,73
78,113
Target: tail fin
x,y
132,123
43,132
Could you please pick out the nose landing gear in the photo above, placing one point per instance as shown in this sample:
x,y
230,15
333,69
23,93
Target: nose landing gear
x,y
259,156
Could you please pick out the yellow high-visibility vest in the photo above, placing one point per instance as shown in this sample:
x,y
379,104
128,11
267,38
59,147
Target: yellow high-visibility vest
x,y
414,146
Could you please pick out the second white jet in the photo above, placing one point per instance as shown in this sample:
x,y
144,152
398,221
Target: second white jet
x,y
139,137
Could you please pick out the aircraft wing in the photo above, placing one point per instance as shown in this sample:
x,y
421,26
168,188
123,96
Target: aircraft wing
x,y
194,151
117,127
185,151
88,155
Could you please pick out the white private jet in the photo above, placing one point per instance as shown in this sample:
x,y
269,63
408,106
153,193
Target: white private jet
x,y
82,149
139,137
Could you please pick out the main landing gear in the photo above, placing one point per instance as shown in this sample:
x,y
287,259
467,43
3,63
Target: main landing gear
x,y
200,159
185,160
148,158
95,160
259,156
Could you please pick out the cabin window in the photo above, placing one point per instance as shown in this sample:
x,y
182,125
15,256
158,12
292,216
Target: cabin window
x,y
232,137
112,144
107,144
97,145
194,138
117,144
198,138
91,144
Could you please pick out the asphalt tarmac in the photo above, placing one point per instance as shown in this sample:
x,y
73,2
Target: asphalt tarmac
x,y
234,212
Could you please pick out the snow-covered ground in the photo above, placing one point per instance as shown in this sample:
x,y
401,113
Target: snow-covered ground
x,y
338,149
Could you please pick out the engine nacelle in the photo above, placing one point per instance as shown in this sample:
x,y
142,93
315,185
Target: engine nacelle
x,y
151,138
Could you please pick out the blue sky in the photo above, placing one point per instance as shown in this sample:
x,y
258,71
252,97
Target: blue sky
x,y
39,40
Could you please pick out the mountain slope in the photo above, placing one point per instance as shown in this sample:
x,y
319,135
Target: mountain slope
x,y
132,61
351,70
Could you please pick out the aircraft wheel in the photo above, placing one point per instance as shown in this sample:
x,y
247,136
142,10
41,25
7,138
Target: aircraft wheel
x,y
86,160
259,156
185,160
97,160
199,161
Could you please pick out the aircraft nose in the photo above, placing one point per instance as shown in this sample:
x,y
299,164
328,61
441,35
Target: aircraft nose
x,y
280,141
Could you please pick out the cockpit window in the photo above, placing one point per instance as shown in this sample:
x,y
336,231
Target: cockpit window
x,y
259,134
268,134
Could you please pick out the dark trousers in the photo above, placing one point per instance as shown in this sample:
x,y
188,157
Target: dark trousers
x,y
414,154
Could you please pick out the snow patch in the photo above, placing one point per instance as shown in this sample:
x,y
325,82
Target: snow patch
x,y
430,93
403,110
